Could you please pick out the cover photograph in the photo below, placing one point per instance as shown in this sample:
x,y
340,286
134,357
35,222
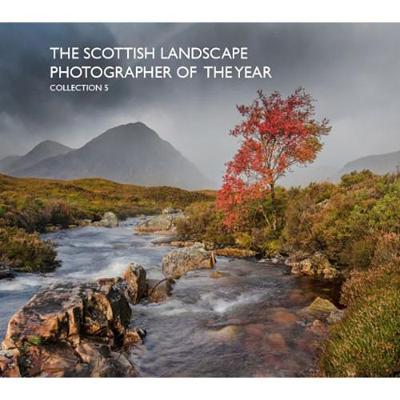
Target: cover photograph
x,y
199,200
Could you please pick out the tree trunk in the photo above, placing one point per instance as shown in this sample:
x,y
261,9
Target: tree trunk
x,y
273,204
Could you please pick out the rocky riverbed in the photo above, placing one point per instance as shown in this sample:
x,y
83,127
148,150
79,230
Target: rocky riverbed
x,y
235,318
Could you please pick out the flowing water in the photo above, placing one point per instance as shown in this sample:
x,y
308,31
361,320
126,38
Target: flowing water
x,y
244,323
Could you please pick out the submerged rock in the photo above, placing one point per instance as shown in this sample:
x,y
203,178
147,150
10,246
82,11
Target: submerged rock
x,y
284,317
277,343
177,262
109,220
75,330
226,334
317,327
317,266
218,274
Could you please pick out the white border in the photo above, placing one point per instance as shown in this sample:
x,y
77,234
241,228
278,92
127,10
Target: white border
x,y
200,11
200,388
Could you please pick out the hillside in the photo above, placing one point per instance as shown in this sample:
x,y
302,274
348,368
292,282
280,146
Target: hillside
x,y
131,153
42,151
378,164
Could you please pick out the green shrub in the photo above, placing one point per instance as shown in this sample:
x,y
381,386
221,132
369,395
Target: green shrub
x,y
26,252
204,223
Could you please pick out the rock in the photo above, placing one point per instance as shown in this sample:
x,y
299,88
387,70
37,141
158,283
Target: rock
x,y
255,330
109,220
159,291
335,316
233,252
318,328
218,274
283,317
166,239
277,259
177,262
135,278
9,363
6,273
132,336
317,266
170,210
277,342
75,330
319,308
164,223
225,334
182,243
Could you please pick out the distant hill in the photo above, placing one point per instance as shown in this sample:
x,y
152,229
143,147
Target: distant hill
x,y
131,153
7,161
40,152
379,164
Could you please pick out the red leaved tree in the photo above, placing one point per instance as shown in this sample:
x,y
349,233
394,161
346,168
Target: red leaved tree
x,y
276,133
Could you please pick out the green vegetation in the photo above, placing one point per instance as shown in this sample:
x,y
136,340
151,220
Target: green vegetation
x,y
367,341
356,225
32,204
25,252
28,206
259,227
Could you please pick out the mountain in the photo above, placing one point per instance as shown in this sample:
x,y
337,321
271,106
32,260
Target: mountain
x,y
379,164
131,153
7,161
40,152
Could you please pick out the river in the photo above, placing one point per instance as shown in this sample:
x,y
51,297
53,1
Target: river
x,y
244,323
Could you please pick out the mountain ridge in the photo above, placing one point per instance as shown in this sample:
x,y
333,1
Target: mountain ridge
x,y
40,152
377,163
129,153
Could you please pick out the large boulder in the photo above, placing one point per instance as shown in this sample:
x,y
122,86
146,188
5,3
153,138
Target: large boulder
x,y
317,266
177,262
163,223
75,329
109,220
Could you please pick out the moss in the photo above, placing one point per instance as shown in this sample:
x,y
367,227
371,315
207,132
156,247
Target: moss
x,y
34,340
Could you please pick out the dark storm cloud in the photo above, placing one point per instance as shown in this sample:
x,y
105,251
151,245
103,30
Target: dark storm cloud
x,y
351,69
24,71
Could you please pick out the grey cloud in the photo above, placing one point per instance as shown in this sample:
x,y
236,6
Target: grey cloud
x,y
351,69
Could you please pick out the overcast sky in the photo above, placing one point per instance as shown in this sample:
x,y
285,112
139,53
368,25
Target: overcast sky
x,y
352,70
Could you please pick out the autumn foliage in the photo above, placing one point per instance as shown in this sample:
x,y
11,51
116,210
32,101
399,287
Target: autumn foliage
x,y
276,133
